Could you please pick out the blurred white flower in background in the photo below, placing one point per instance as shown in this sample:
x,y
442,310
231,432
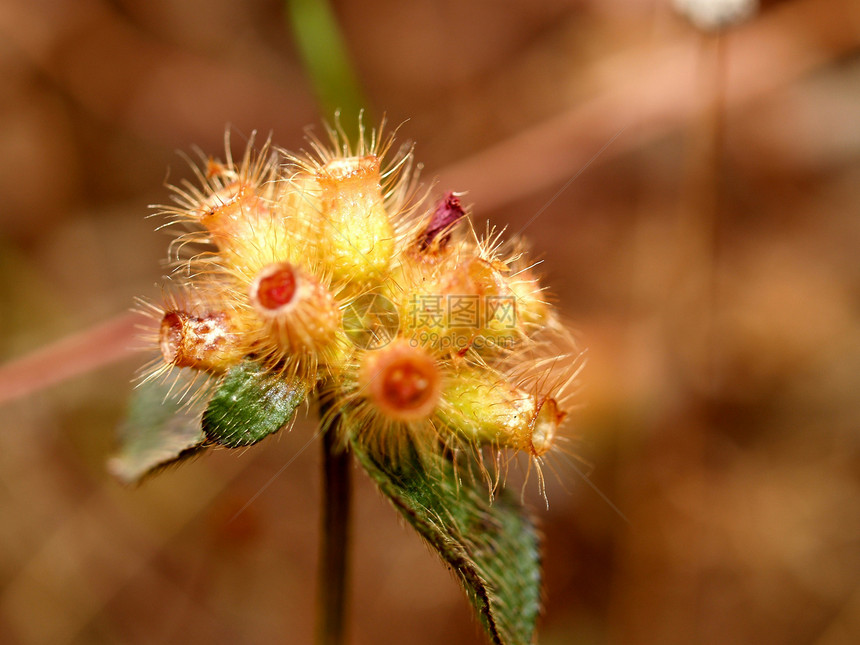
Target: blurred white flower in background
x,y
715,14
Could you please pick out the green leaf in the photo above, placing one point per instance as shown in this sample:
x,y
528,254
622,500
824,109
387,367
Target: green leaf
x,y
250,404
491,547
159,430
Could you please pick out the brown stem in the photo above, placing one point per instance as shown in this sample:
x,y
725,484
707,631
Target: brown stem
x,y
333,540
77,354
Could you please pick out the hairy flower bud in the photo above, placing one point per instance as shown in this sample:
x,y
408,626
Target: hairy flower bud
x,y
490,410
402,381
299,316
208,342
357,238
471,302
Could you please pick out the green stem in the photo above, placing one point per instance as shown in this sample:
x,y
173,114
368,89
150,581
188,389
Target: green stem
x,y
333,540
327,61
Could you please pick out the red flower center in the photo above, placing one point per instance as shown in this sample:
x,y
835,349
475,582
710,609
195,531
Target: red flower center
x,y
403,381
276,286
407,384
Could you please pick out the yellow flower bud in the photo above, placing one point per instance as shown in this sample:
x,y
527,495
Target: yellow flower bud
x,y
486,409
356,235
298,318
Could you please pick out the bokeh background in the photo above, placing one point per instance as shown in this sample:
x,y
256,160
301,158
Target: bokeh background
x,y
708,258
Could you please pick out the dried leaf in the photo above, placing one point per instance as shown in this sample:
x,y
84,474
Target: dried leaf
x,y
159,430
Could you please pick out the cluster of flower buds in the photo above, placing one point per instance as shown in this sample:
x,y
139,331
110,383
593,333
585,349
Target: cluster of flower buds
x,y
325,274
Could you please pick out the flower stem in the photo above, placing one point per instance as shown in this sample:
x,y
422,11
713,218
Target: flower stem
x,y
327,60
333,540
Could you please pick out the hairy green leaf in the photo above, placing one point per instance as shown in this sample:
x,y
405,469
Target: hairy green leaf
x,y
491,547
159,430
251,404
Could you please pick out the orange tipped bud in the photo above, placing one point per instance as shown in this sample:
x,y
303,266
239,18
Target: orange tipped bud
x,y
275,288
246,227
469,305
476,276
225,211
357,238
402,381
298,314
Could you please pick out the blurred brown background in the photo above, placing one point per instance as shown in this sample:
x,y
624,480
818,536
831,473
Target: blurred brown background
x,y
708,259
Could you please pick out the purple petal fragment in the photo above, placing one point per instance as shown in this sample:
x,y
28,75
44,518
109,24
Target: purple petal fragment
x,y
448,212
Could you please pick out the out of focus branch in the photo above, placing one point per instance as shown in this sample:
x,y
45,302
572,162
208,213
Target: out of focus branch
x,y
74,355
653,93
